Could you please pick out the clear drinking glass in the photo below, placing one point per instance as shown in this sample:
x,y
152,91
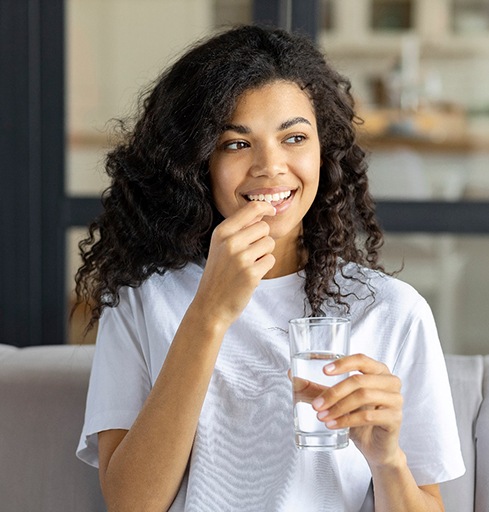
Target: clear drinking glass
x,y
314,343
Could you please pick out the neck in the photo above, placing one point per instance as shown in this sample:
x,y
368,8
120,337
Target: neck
x,y
288,260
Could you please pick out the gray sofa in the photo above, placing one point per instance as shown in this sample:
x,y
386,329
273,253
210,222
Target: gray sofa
x,y
42,398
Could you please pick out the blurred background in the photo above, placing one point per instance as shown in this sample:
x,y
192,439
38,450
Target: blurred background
x,y
420,75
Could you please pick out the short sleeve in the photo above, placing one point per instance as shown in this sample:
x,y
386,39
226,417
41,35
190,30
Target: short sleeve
x,y
429,434
119,379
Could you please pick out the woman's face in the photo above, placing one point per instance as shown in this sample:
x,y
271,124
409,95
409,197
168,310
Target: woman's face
x,y
269,151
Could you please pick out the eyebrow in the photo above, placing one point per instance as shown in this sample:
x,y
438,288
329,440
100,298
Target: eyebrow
x,y
243,130
292,122
238,128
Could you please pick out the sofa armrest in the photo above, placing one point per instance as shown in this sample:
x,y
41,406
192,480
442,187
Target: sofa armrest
x,y
482,443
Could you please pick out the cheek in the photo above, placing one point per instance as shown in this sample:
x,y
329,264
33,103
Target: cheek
x,y
216,176
310,169
226,174
223,192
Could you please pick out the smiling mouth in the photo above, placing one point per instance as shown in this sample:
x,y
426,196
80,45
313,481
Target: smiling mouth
x,y
273,199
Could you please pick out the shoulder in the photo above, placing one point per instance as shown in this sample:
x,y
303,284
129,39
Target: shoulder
x,y
147,316
378,289
156,301
167,285
387,315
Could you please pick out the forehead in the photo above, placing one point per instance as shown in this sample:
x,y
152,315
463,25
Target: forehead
x,y
274,98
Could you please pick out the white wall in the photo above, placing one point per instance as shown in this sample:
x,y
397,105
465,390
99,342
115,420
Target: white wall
x,y
115,47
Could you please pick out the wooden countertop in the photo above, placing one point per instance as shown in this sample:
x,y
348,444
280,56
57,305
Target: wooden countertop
x,y
426,130
423,144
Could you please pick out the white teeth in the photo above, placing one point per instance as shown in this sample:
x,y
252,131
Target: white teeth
x,y
270,197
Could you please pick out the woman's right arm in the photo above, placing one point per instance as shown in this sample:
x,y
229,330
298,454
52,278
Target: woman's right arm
x,y
142,469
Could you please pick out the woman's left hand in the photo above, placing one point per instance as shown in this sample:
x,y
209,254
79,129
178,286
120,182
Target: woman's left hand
x,y
369,402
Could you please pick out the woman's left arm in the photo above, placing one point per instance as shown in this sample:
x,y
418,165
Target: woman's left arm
x,y
370,403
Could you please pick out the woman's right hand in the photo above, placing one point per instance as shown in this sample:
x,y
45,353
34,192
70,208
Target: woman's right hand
x,y
240,255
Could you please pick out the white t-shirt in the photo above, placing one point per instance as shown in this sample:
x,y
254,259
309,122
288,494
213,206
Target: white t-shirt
x,y
244,456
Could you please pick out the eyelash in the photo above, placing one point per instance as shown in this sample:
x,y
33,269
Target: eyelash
x,y
298,138
227,145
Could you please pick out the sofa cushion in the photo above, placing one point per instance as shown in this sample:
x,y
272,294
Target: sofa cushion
x,y
42,398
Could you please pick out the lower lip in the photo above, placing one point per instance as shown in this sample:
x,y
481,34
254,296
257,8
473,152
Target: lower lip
x,y
284,205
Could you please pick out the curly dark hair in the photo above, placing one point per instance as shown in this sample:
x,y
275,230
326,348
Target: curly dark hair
x,y
158,211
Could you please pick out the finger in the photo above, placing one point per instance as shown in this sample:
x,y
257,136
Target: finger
x,y
359,384
263,265
240,240
257,250
388,419
250,214
362,399
264,210
250,258
356,362
305,390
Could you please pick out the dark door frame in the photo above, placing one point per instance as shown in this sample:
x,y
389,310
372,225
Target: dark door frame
x,y
36,212
32,228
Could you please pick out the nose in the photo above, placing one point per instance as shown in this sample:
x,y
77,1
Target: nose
x,y
268,161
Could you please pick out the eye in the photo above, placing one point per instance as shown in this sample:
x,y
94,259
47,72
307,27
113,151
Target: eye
x,y
295,139
235,145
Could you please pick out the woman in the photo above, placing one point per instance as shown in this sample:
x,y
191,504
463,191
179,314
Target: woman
x,y
238,201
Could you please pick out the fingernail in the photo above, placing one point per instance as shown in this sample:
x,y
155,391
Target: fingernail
x,y
330,368
331,423
322,414
317,402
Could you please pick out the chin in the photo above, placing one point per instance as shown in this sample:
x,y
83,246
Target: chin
x,y
279,233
